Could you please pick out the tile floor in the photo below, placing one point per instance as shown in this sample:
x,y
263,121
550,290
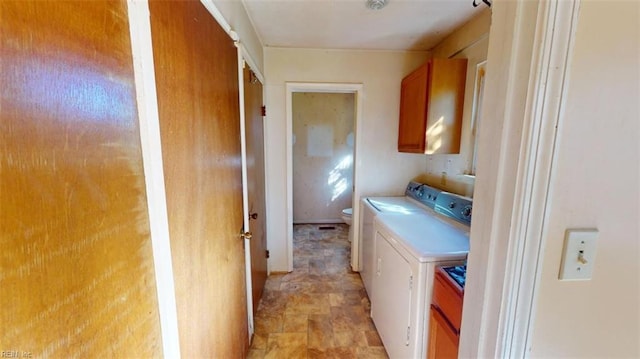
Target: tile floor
x,y
321,309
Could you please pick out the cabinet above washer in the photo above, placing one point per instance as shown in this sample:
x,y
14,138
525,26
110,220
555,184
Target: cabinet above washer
x,y
431,104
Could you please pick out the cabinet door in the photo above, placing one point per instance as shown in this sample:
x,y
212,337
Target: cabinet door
x,y
391,303
443,341
431,105
413,111
445,98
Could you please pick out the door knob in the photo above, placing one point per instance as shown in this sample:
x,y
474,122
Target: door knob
x,y
253,215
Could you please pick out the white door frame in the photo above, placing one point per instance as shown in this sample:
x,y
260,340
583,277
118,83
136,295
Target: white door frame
x,y
244,58
147,101
530,45
357,89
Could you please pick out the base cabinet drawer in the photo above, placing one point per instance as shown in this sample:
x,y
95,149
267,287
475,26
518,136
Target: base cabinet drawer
x,y
445,316
448,299
443,340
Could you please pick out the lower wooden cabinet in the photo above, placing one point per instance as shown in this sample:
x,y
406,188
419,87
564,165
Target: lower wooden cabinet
x,y
443,340
445,317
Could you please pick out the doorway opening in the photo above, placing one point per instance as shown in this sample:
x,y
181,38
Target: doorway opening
x,y
322,131
322,156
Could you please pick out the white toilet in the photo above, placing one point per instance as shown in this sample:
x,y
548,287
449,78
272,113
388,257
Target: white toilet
x,y
347,214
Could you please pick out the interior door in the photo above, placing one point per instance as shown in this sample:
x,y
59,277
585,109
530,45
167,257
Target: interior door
x,y
76,262
196,69
254,127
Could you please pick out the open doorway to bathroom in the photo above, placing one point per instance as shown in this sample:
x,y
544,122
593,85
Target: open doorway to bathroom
x,y
323,152
322,121
322,157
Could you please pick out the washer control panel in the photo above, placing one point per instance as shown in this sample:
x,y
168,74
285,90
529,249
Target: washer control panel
x,y
446,203
422,193
455,206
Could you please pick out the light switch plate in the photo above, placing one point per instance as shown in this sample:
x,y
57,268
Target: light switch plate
x,y
579,254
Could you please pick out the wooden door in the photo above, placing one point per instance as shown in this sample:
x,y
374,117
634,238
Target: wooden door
x,y
254,127
196,70
76,263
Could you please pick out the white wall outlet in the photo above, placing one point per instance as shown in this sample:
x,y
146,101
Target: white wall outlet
x,y
579,254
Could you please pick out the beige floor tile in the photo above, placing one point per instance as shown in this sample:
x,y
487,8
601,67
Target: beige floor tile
x,y
351,339
286,345
308,303
373,339
371,353
320,332
298,352
255,354
320,309
336,299
332,353
295,323
259,341
351,318
285,340
266,323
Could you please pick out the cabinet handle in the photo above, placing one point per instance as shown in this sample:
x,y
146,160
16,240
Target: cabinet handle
x,y
378,266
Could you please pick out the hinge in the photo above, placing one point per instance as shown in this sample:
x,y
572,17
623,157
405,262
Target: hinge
x,y
408,335
264,110
266,254
411,283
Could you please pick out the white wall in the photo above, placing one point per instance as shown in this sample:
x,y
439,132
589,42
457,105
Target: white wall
x,y
235,14
385,171
596,184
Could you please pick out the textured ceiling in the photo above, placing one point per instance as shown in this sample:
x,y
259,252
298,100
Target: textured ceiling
x,y
348,24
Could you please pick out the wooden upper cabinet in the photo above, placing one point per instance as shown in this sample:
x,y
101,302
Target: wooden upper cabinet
x,y
431,103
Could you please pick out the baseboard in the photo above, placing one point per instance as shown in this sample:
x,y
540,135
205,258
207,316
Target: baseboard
x,y
319,221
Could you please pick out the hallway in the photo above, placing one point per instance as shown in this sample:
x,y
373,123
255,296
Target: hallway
x,y
321,309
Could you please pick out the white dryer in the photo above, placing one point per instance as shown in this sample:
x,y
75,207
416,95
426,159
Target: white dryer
x,y
417,197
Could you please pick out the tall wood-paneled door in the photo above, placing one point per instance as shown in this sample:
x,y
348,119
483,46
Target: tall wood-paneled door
x,y
76,265
196,69
254,127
